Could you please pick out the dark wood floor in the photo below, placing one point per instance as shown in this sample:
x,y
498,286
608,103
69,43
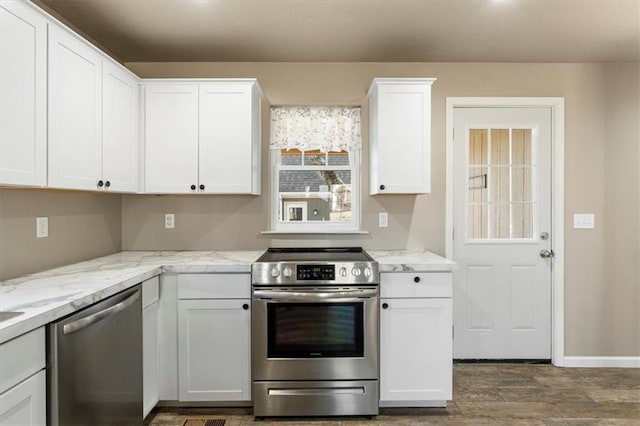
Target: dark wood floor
x,y
488,394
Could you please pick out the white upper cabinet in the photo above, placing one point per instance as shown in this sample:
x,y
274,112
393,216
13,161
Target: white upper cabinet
x,y
400,135
229,155
120,136
75,112
23,95
171,138
202,136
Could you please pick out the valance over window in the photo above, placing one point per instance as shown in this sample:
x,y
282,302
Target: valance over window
x,y
310,128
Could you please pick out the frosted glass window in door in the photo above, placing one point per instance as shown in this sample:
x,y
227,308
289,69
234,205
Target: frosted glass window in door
x,y
500,184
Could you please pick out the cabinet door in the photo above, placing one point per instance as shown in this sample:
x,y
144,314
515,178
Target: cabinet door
x,y
214,350
75,112
23,96
226,138
119,129
171,138
415,350
401,135
25,404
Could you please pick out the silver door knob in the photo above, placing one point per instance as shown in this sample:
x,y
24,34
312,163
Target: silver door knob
x,y
546,254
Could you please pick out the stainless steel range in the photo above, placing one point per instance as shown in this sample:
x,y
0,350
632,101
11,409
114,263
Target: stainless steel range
x,y
315,332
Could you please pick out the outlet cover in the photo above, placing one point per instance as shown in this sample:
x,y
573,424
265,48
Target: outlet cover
x,y
169,221
42,227
383,219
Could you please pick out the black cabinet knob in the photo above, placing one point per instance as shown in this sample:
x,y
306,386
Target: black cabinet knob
x,y
201,187
193,187
416,279
381,187
100,183
107,184
385,305
245,306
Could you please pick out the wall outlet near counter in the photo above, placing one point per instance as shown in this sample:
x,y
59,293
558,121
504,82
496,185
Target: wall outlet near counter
x,y
42,227
169,221
383,219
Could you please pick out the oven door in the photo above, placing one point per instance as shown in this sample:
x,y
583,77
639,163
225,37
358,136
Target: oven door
x,y
315,334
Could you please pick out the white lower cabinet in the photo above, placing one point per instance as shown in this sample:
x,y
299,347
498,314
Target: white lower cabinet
x,y
24,404
23,380
415,339
214,337
150,305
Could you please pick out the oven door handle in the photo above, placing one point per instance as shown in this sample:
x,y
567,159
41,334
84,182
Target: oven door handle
x,y
315,296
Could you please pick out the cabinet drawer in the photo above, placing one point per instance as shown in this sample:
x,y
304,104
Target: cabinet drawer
x,y
150,291
21,357
418,284
214,286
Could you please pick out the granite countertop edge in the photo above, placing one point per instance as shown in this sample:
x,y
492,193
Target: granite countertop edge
x,y
47,296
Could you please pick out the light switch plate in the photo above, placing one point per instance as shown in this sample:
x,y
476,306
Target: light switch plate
x,y
42,227
383,219
169,221
584,221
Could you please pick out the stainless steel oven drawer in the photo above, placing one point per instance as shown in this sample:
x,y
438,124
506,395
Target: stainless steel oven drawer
x,y
316,398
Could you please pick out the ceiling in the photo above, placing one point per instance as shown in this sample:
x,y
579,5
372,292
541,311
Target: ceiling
x,y
360,30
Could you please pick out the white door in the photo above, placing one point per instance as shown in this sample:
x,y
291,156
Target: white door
x,y
75,112
502,222
120,136
23,95
171,138
25,403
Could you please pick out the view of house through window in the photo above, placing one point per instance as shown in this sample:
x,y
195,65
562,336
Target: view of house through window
x,y
500,184
314,186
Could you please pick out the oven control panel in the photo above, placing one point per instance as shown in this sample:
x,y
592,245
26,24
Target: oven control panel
x,y
291,273
316,272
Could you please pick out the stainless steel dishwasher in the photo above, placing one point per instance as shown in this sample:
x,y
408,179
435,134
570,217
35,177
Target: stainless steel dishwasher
x,y
94,364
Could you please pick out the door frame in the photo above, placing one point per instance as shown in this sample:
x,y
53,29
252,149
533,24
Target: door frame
x,y
556,105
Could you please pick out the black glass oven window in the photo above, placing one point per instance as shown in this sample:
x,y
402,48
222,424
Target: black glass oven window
x,y
312,330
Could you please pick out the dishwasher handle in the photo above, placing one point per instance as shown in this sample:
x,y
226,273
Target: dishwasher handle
x,y
85,322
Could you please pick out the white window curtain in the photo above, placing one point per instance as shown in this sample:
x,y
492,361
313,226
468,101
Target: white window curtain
x,y
308,128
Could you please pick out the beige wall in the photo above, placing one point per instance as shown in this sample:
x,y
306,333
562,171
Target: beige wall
x,y
622,209
82,226
591,294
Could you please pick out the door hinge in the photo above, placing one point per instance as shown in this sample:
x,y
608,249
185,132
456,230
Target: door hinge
x,y
453,331
453,134
453,233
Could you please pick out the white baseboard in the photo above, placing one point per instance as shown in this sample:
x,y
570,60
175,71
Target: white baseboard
x,y
599,361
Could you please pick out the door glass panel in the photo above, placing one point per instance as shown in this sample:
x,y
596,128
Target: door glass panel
x,y
500,147
478,146
522,146
500,185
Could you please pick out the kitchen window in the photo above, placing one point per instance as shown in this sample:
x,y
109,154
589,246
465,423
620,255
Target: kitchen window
x,y
315,164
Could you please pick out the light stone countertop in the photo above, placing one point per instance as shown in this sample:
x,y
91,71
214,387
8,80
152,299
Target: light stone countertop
x,y
46,296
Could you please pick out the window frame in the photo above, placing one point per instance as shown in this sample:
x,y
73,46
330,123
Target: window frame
x,y
316,227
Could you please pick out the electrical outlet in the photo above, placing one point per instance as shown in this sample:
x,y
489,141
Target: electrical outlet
x,y
383,219
169,221
42,227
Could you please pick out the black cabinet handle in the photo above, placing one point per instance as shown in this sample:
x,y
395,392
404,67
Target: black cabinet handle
x,y
193,187
107,184
416,279
245,306
100,183
381,187
201,187
385,305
